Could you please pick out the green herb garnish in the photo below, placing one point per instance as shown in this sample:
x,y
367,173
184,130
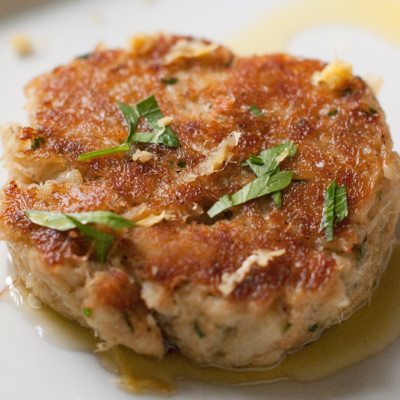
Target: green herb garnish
x,y
255,160
370,111
87,312
287,327
362,248
300,180
270,180
313,328
132,117
36,143
341,210
254,109
181,164
268,160
102,241
60,222
150,110
199,332
105,152
332,113
84,56
277,198
335,208
169,81
261,186
66,221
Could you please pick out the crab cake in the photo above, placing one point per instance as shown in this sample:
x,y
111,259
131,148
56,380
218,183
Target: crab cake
x,y
236,258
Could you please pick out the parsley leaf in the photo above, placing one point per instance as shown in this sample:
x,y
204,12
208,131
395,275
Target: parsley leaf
x,y
132,117
60,222
341,210
102,240
36,143
265,184
335,208
270,180
270,158
151,112
313,328
65,221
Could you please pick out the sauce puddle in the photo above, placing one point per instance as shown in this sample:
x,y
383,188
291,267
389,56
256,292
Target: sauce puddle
x,y
367,332
273,31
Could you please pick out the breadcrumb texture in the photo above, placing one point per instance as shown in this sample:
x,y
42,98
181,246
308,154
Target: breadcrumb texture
x,y
165,281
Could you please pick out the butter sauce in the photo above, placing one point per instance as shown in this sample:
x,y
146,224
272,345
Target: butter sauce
x,y
273,31
370,330
49,325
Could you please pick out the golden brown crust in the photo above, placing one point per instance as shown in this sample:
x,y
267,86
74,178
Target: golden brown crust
x,y
75,111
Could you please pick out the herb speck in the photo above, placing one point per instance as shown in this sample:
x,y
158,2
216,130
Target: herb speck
x,y
87,312
313,328
332,113
169,81
256,111
199,332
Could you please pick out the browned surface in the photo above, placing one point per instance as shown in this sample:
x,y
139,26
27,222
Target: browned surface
x,y
76,111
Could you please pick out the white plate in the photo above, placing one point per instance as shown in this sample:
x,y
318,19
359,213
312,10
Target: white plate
x,y
32,367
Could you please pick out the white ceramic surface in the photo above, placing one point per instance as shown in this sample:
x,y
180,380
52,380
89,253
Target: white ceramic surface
x,y
36,369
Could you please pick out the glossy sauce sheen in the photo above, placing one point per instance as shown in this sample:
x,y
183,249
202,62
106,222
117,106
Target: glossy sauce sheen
x,y
274,30
367,332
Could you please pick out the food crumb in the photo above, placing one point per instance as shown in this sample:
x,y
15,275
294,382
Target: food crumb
x,y
142,156
22,44
334,75
95,17
374,82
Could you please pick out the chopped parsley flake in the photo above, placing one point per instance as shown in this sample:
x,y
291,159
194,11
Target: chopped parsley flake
x,y
335,208
36,143
169,81
199,332
84,56
87,312
363,248
332,113
181,164
313,328
254,109
287,327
